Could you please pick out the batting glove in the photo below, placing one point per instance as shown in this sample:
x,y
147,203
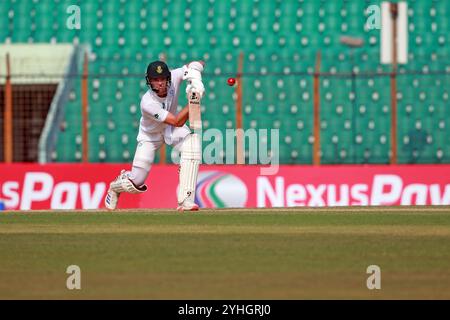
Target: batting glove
x,y
197,86
194,71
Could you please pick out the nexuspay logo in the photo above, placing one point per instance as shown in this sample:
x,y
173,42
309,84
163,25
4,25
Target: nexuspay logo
x,y
217,189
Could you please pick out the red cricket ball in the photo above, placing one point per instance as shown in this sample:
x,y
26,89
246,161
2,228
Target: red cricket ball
x,y
231,81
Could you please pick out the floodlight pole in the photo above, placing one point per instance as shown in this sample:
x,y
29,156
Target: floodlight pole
x,y
394,15
316,145
84,111
353,43
8,116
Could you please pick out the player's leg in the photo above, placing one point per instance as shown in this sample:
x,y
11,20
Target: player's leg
x,y
189,164
133,181
121,184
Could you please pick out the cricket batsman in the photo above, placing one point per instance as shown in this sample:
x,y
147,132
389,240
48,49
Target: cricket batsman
x,y
160,123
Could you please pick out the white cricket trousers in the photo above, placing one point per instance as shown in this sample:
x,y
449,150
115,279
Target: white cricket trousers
x,y
147,146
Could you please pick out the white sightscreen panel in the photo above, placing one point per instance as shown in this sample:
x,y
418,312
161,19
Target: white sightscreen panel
x,y
386,34
402,33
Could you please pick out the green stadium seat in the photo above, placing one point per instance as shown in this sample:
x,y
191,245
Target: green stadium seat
x,y
279,40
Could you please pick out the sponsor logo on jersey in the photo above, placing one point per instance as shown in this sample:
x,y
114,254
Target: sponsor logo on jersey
x,y
217,189
156,116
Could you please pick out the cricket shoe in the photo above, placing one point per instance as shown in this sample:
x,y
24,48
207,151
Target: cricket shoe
x,y
188,205
111,199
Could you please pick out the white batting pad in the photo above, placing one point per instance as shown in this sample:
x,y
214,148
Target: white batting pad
x,y
189,163
123,184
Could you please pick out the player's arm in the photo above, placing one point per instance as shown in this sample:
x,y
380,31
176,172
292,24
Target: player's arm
x,y
154,111
178,120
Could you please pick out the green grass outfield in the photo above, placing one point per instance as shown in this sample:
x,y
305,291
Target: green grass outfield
x,y
227,254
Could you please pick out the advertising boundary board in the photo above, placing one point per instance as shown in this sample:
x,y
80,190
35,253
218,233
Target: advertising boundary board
x,y
83,186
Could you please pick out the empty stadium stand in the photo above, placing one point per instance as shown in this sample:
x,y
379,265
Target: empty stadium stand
x,y
279,40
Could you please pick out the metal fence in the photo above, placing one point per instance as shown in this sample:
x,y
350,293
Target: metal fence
x,y
338,113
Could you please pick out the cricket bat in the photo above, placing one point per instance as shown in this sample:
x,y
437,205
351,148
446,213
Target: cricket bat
x,y
195,118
